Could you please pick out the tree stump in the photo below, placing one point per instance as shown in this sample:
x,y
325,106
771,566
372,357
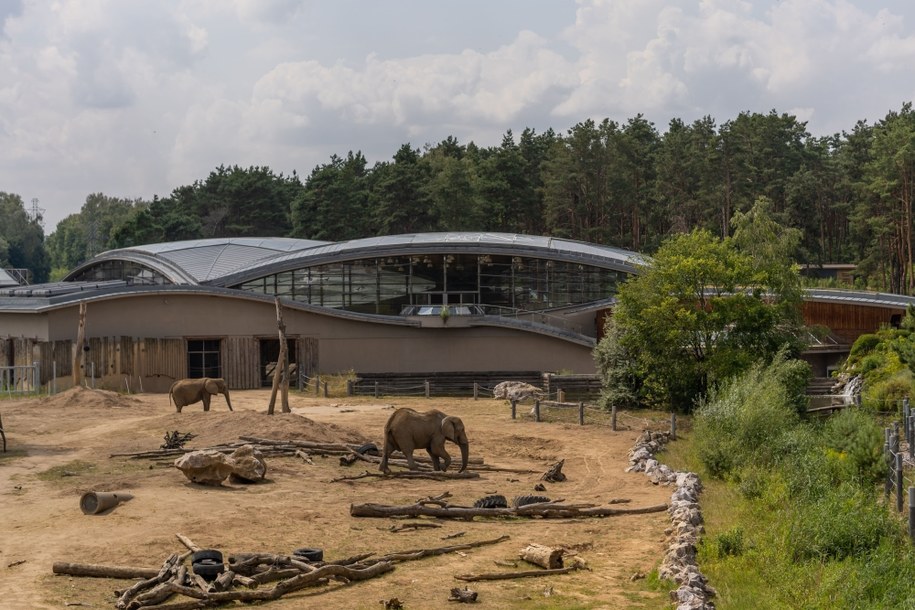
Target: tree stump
x,y
554,474
463,596
543,556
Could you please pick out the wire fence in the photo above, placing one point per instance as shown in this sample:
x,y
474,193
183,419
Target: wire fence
x,y
20,380
899,453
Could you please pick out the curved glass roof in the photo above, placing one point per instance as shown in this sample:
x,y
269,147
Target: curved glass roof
x,y
201,260
442,243
228,261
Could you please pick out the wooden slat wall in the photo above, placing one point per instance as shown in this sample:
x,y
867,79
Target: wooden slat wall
x,y
307,358
162,358
240,357
848,321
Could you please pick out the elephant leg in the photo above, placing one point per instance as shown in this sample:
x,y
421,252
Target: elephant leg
x,y
436,464
408,453
388,449
206,401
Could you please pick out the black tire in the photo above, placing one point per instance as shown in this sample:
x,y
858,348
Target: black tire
x,y
309,554
208,569
203,554
525,500
368,448
496,501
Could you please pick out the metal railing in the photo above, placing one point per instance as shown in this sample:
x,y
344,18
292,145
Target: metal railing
x,y
20,380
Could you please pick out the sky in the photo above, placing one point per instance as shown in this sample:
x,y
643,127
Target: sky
x,y
134,98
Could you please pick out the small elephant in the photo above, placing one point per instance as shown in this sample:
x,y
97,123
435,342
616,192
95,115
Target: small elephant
x,y
407,430
188,391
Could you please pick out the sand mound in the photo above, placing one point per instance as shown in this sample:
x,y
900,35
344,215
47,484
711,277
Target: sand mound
x,y
80,396
215,428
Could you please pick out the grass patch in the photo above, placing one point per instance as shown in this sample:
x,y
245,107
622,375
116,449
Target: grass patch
x,y
70,469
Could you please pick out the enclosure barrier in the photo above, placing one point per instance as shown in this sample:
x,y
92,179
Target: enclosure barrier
x,y
896,480
20,380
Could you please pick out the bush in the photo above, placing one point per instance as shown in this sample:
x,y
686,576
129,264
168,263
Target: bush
x,y
858,441
864,345
730,543
745,421
887,394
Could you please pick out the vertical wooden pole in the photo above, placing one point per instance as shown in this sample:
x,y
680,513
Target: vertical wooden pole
x,y
536,410
581,414
673,425
613,418
280,375
476,390
898,482
514,408
428,388
376,390
79,354
912,514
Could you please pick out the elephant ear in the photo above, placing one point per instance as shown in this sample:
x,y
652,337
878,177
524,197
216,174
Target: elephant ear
x,y
212,386
448,428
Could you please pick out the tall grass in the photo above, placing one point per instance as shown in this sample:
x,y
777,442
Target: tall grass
x,y
793,516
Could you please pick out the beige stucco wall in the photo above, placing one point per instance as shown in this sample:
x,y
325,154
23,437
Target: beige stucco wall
x,y
343,344
33,326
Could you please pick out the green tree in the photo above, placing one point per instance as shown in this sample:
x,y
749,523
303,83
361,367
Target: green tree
x,y
334,203
24,238
81,236
397,196
705,309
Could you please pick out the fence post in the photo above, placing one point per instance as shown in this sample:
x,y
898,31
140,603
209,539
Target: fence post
x,y
581,414
911,438
673,426
349,387
317,384
92,373
613,417
36,380
889,467
536,410
325,389
476,390
560,395
53,378
514,408
376,389
912,514
899,482
428,388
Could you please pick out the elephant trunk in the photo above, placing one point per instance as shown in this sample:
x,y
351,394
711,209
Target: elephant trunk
x,y
228,402
465,448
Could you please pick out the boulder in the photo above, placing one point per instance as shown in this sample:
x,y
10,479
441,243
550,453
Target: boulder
x,y
207,467
250,466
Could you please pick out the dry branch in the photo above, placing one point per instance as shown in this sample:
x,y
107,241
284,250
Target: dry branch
x,y
546,511
513,575
164,573
543,556
100,571
422,553
438,476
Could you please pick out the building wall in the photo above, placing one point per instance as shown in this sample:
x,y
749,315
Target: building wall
x,y
144,336
847,321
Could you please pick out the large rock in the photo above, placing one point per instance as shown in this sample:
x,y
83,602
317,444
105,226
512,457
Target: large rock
x,y
207,467
250,466
516,390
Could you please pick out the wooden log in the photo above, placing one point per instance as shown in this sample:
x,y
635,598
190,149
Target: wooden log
x,y
102,571
192,604
164,574
187,542
295,583
156,595
436,476
415,554
463,596
223,582
274,574
513,575
547,511
543,556
244,581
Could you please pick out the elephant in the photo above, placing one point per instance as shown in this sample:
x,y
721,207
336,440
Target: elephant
x,y
407,430
188,391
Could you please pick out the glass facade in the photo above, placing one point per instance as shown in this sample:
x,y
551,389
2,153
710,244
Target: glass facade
x,y
387,285
131,272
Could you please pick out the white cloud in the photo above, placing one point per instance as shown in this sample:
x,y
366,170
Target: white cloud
x,y
136,98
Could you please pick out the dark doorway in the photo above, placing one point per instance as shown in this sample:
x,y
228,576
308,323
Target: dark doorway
x,y
203,358
270,353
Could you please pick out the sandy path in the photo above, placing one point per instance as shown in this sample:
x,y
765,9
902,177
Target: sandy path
x,y
73,436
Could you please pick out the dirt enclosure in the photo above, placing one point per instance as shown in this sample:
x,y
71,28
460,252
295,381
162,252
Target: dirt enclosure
x,y
59,447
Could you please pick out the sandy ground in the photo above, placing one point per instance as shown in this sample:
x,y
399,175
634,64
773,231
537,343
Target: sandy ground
x,y
59,447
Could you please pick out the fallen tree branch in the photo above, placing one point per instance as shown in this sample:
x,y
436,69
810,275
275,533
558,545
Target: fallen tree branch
x,y
100,571
164,574
421,553
513,575
408,527
437,476
546,511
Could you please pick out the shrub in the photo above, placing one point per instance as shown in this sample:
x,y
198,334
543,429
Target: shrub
x,y
887,394
864,345
730,543
745,420
858,441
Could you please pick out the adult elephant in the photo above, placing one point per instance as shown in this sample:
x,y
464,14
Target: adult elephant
x,y
407,430
188,391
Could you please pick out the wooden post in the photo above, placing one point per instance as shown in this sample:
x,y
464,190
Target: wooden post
x,y
514,408
79,354
428,388
560,395
912,437
889,472
476,390
912,514
673,425
376,390
536,410
613,418
325,390
349,387
581,414
280,373
899,482
317,385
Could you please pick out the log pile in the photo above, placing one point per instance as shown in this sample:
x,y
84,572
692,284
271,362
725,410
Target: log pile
x,y
243,576
545,510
